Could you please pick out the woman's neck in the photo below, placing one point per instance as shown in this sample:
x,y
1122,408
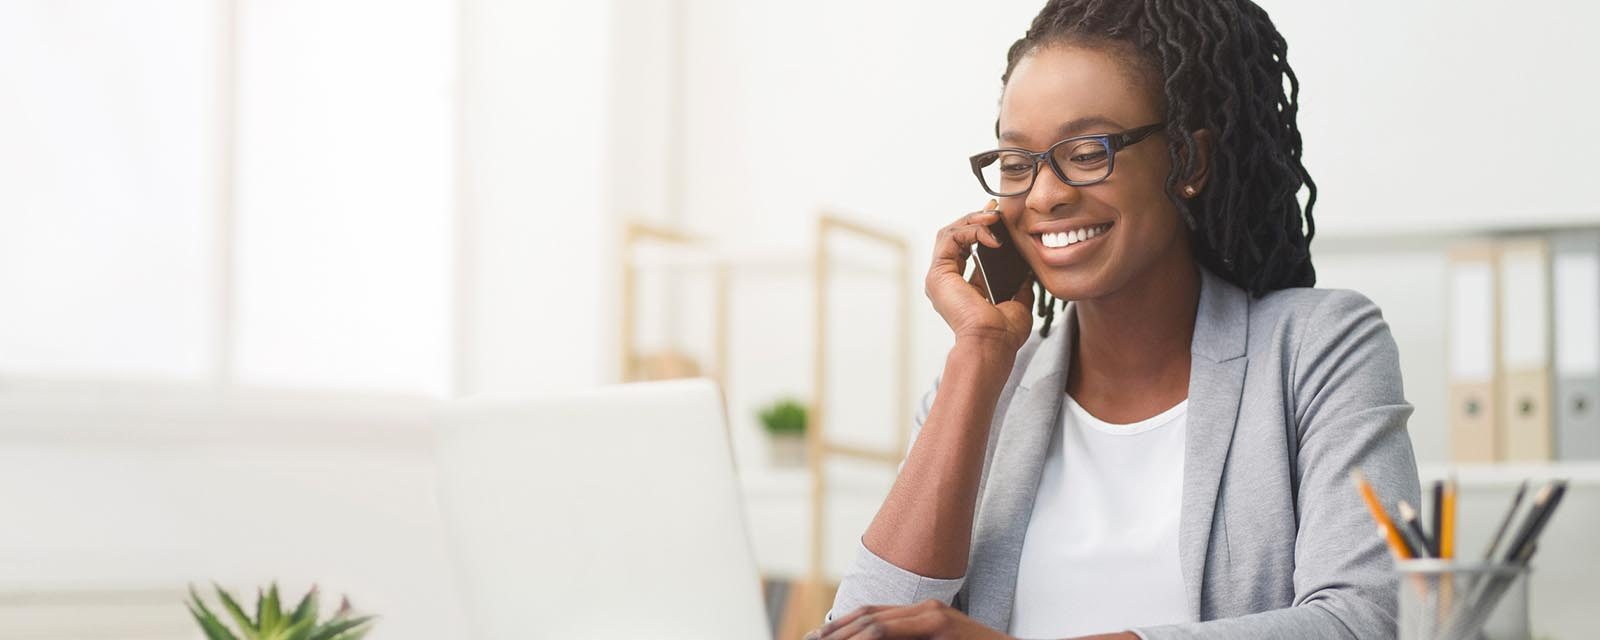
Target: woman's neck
x,y
1136,342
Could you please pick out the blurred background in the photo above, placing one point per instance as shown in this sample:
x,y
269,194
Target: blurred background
x,y
247,245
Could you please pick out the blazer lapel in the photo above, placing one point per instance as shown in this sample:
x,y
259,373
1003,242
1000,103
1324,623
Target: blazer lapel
x,y
1216,380
1006,500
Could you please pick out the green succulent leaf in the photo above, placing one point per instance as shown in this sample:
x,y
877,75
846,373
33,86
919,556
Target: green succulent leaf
x,y
270,612
307,609
261,606
208,622
353,634
298,630
240,619
340,628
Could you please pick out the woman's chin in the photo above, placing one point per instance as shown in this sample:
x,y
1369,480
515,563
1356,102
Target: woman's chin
x,y
1066,283
1062,288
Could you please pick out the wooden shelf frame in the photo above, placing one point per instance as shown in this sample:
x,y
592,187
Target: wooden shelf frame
x,y
635,234
819,447
812,595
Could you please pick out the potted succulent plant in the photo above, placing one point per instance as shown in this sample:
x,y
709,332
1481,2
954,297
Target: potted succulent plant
x,y
273,622
785,423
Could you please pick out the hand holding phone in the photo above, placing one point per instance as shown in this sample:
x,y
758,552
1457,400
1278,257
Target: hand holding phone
x,y
1001,271
968,303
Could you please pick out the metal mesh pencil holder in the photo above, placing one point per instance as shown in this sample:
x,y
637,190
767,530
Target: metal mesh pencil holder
x,y
1462,600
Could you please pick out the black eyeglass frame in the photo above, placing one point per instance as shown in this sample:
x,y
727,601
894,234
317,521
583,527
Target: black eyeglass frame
x,y
1113,142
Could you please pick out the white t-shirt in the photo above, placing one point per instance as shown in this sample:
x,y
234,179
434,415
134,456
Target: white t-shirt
x,y
1101,552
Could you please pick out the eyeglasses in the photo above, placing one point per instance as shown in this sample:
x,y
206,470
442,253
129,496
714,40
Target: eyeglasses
x,y
1078,161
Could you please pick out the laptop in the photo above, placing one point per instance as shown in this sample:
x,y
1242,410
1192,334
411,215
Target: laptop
x,y
611,513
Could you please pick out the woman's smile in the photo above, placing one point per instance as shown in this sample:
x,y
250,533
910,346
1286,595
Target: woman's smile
x,y
1067,247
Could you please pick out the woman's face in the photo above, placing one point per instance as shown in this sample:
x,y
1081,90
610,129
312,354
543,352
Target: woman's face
x,y
1062,91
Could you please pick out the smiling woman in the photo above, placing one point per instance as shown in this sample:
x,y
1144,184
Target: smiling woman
x,y
1125,476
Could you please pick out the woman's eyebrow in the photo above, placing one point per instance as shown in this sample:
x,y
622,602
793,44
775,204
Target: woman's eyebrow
x,y
1069,128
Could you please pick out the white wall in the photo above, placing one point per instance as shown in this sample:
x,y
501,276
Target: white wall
x,y
1405,105
344,161
534,241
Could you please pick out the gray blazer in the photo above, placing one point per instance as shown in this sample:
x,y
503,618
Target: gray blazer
x,y
1288,393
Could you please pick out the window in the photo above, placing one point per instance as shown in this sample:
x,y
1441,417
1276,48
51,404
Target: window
x,y
110,250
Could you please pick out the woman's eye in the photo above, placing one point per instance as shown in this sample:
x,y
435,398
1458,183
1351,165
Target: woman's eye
x,y
1014,168
1089,158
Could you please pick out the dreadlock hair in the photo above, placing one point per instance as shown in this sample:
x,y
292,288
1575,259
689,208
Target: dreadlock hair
x,y
1222,66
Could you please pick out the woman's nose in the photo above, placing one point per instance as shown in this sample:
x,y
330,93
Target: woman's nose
x,y
1049,191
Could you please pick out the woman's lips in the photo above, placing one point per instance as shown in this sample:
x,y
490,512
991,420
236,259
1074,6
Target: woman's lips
x,y
1072,253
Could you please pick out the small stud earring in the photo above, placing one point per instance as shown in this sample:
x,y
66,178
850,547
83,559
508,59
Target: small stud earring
x,y
1189,191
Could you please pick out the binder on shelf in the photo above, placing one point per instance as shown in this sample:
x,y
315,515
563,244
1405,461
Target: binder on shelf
x,y
1524,386
1473,329
1575,276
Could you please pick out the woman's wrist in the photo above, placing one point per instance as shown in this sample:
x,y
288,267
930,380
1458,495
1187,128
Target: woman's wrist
x,y
990,352
979,367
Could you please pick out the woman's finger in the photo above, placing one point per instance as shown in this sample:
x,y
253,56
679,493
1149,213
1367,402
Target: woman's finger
x,y
994,241
841,621
865,626
916,624
955,245
986,217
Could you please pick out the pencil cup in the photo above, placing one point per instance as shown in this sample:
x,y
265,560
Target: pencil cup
x,y
1448,600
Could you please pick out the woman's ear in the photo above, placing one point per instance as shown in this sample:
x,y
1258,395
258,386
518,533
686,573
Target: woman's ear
x,y
1197,175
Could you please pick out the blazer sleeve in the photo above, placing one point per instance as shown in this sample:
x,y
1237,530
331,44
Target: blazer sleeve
x,y
872,580
1350,414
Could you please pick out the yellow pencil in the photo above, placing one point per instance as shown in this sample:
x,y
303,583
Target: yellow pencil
x,y
1385,525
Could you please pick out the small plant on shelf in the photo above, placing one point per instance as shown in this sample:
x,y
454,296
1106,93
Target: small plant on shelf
x,y
273,622
785,423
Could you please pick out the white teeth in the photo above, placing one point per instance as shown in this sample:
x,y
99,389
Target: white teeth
x,y
1057,240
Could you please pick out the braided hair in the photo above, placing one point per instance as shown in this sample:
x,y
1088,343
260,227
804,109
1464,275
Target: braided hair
x,y
1222,66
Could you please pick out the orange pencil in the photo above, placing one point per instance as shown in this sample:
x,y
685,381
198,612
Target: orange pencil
x,y
1385,525
1447,525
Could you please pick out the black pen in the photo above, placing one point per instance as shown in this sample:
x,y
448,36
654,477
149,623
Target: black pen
x,y
1522,549
1505,522
1411,530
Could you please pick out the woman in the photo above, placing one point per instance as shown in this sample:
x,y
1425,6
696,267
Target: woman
x,y
1174,459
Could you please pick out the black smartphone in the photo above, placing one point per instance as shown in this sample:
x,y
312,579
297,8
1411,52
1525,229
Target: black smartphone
x,y
1001,271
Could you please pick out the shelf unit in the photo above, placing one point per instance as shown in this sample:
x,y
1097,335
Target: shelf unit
x,y
1495,474
1378,254
1406,232
667,248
